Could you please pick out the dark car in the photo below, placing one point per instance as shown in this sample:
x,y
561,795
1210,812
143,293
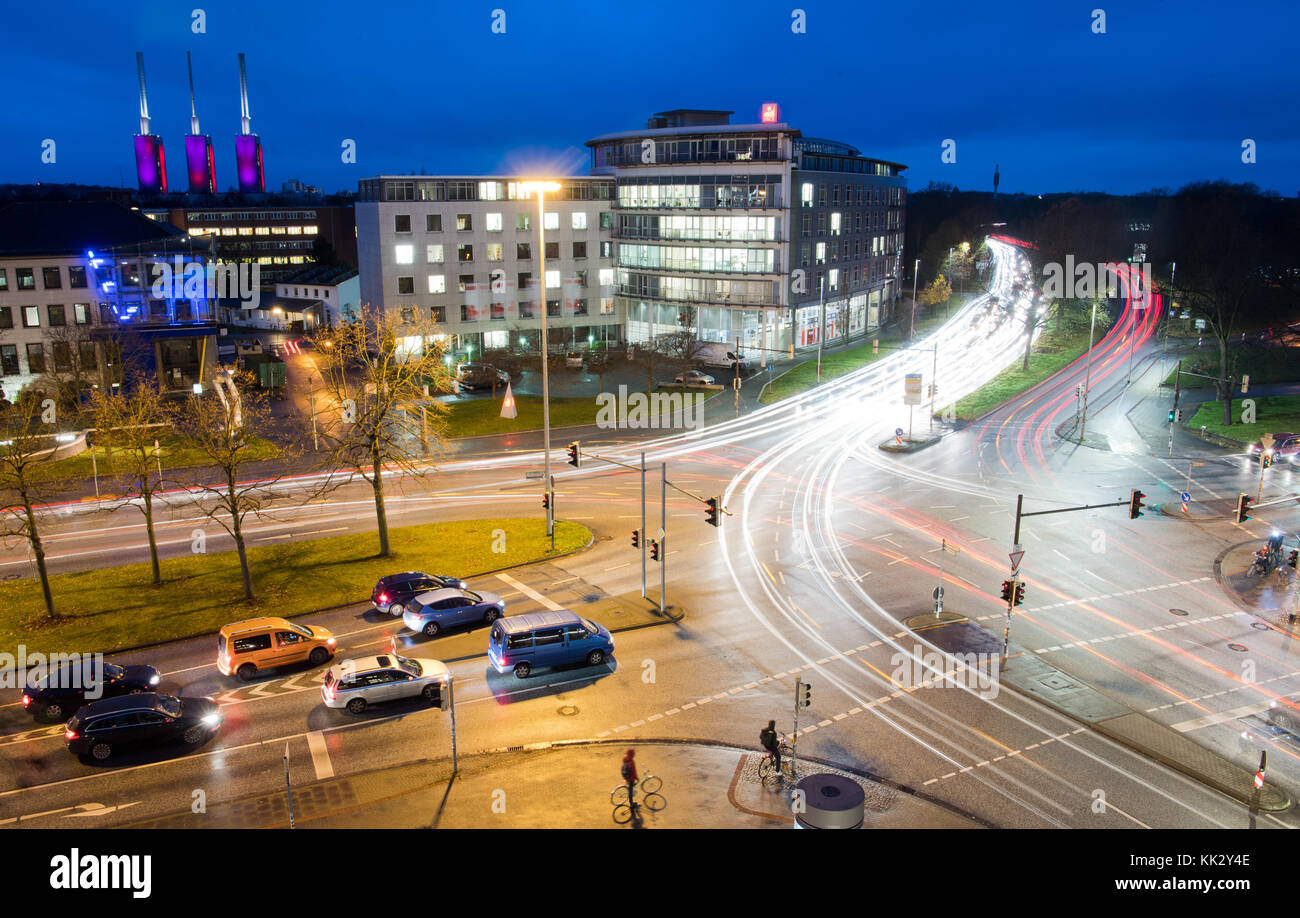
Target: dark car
x,y
1285,447
103,727
393,593
58,695
480,376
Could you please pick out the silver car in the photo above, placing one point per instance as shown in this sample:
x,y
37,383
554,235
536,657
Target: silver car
x,y
435,611
694,378
357,684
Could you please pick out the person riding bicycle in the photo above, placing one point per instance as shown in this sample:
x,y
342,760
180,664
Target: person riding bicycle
x,y
628,771
767,736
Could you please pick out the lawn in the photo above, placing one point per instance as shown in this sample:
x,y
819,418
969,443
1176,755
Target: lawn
x,y
173,454
479,416
1261,364
111,608
804,375
1273,414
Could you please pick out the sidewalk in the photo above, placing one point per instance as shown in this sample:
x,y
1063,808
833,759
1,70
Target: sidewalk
x,y
559,786
1270,597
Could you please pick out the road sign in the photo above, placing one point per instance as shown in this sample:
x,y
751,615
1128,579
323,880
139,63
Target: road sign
x,y
938,593
912,389
533,473
1200,325
1015,557
735,383
898,435
1185,497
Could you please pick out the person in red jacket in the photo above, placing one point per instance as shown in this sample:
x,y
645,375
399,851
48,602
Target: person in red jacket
x,y
628,771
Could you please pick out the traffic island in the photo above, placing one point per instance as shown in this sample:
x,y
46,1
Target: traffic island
x,y
1197,511
908,444
1271,596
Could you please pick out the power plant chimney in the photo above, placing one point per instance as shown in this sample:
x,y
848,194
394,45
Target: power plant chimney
x,y
200,163
248,147
150,159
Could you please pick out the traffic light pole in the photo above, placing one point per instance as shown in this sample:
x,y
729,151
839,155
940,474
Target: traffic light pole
x,y
663,535
643,532
794,737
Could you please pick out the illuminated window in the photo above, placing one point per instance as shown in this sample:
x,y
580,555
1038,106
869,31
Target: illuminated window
x,y
404,254
821,253
495,251
552,221
245,231
552,279
494,223
437,283
579,220
833,281
311,229
294,230
523,222
464,223
275,231
836,217
806,194
606,276
433,254
262,231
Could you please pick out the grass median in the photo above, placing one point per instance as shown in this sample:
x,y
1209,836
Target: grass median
x,y
111,608
479,416
173,454
1273,414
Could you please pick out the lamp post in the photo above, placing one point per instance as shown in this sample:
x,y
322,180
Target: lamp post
x,y
541,188
1087,383
912,330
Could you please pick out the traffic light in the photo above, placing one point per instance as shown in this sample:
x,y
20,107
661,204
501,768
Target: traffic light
x,y
654,550
803,695
1243,504
1171,415
1266,458
636,538
1135,504
1007,588
574,459
1020,593
1292,558
711,514
875,345
546,501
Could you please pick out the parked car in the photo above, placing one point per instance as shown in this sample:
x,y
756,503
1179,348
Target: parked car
x,y
573,360
392,593
480,376
1285,447
437,610
693,378
59,695
245,648
357,684
103,727
525,642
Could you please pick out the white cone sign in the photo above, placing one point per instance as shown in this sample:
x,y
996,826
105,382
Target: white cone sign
x,y
508,404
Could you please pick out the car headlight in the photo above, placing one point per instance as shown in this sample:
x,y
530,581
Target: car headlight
x,y
211,720
153,680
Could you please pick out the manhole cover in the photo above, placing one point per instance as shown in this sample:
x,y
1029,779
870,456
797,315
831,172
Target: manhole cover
x,y
1238,648
1178,611
1056,681
568,710
1259,626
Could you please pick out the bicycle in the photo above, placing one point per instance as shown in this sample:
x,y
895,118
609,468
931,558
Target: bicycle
x,y
767,770
627,807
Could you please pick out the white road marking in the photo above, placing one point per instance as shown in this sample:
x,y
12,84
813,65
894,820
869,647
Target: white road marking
x,y
320,755
530,592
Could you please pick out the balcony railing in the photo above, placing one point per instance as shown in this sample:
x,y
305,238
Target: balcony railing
x,y
707,296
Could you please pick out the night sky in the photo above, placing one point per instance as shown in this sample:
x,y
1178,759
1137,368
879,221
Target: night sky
x,y
1164,98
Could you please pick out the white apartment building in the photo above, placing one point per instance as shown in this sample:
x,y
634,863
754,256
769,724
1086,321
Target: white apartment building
x,y
463,250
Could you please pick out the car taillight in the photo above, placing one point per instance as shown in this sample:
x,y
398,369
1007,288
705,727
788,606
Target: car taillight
x,y
27,700
70,734
383,597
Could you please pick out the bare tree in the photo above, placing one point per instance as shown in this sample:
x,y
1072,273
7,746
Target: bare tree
x,y
27,438
127,421
383,373
222,425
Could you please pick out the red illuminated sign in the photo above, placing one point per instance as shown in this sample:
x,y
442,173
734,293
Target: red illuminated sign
x,y
769,113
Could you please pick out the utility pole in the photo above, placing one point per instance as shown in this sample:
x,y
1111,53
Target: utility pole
x,y
821,332
288,788
451,703
934,384
1087,383
642,540
912,329
663,535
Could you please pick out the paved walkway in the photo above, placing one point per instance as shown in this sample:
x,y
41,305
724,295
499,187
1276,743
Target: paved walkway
x,y
560,786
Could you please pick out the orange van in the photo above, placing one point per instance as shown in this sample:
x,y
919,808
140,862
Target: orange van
x,y
245,648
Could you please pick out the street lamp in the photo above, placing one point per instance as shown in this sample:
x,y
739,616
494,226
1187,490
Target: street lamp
x,y
541,188
1087,385
912,330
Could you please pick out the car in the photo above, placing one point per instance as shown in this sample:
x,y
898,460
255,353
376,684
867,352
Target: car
x,y
59,694
573,360
392,593
357,684
103,727
693,378
245,648
524,642
480,376
1285,447
435,611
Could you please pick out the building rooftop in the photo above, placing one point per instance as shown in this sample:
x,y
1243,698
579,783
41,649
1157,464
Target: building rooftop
x,y
324,275
75,227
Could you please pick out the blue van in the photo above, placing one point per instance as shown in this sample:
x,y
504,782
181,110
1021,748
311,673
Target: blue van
x,y
523,642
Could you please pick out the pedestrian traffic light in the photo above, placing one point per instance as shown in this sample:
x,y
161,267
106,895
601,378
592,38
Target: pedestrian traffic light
x,y
1171,415
1020,593
875,345
1135,504
1292,558
711,514
1007,588
1243,504
803,695
636,538
1266,458
654,550
546,501
574,458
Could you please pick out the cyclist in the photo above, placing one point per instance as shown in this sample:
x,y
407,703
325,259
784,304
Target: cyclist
x,y
628,772
767,736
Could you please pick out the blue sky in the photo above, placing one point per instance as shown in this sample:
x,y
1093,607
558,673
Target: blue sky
x,y
1165,97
